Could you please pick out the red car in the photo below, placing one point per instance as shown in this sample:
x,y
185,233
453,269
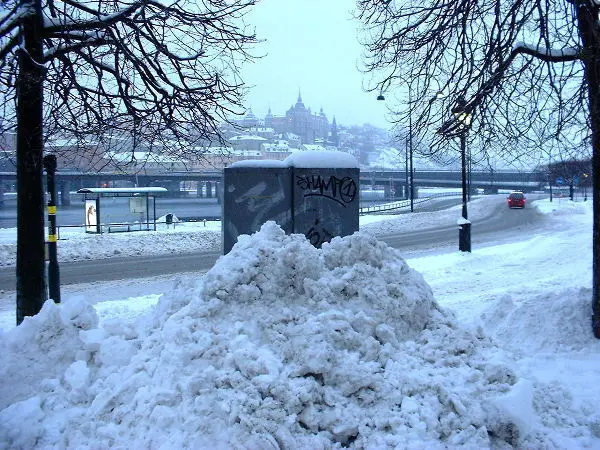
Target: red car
x,y
516,200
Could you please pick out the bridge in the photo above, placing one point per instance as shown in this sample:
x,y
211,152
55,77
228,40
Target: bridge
x,y
206,182
396,182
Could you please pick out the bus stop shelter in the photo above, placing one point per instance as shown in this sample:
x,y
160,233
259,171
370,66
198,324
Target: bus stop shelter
x,y
141,201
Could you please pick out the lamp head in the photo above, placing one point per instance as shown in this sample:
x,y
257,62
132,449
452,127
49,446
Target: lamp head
x,y
459,106
460,112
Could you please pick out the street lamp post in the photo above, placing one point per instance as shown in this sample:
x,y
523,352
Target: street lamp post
x,y
410,151
409,168
469,174
406,193
464,234
463,117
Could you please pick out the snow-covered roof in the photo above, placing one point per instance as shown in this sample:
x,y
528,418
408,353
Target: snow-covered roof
x,y
133,190
246,153
263,129
265,163
322,159
68,142
292,136
215,150
247,138
279,146
313,147
142,157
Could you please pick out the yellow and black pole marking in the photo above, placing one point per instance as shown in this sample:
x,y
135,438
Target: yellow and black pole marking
x,y
53,271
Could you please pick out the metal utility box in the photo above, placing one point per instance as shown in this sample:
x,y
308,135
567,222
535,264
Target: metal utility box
x,y
326,202
253,195
311,193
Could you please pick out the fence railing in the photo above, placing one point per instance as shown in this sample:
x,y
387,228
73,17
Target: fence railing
x,y
391,206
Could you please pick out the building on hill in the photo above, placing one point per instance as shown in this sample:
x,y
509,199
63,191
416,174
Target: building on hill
x,y
250,120
305,124
300,121
247,142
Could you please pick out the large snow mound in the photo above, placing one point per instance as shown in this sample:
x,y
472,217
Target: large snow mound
x,y
280,345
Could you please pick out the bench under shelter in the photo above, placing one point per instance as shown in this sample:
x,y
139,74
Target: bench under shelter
x,y
142,201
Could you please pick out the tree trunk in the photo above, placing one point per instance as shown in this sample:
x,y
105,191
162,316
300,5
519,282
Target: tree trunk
x,y
31,283
589,29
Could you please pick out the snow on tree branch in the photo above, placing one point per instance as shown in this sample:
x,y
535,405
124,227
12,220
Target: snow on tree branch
x,y
547,54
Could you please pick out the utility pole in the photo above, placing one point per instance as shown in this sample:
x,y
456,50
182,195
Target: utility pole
x,y
31,281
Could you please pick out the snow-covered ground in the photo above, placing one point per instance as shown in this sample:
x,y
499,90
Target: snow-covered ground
x,y
189,237
281,345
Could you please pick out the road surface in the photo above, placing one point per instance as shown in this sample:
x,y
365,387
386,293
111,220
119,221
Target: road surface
x,y
502,224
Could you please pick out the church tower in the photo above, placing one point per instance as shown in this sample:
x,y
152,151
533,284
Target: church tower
x,y
335,139
269,119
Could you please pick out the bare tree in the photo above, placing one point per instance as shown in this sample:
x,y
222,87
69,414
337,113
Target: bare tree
x,y
520,65
160,71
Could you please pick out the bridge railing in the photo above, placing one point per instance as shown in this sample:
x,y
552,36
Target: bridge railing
x,y
404,203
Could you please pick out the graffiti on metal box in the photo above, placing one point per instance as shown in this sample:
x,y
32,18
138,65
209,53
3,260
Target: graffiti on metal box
x,y
341,190
318,235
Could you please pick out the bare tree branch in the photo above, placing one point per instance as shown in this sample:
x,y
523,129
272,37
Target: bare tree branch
x,y
171,67
534,101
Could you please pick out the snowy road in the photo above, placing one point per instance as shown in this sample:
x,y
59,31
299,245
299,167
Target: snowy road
x,y
500,224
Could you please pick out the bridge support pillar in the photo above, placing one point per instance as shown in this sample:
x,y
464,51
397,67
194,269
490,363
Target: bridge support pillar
x,y
65,193
174,188
398,190
209,189
492,190
199,187
1,195
415,192
387,192
218,191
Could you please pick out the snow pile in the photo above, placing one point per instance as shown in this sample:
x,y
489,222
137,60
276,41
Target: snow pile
x,y
566,326
280,345
43,346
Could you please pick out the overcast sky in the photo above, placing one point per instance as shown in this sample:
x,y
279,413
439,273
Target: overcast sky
x,y
311,46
